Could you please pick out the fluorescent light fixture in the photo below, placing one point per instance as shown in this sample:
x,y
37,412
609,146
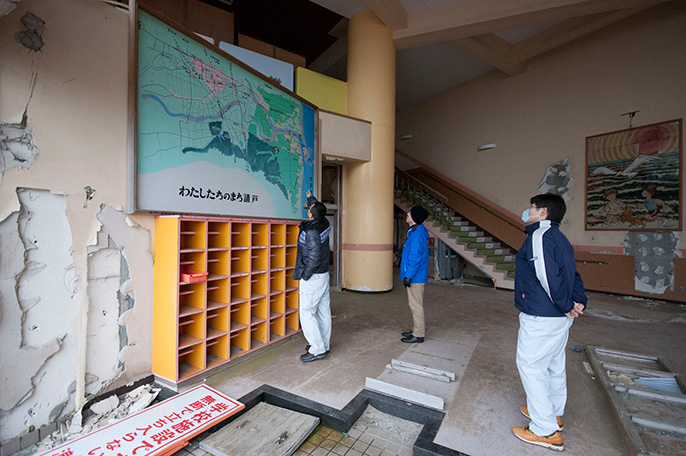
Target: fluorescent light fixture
x,y
403,138
485,147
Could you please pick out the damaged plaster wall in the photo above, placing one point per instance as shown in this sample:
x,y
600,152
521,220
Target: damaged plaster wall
x,y
38,311
61,216
654,254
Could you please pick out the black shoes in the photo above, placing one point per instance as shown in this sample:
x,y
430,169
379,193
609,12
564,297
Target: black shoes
x,y
307,349
412,340
407,334
307,357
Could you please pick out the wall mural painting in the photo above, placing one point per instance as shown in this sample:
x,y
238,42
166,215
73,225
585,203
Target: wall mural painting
x,y
633,179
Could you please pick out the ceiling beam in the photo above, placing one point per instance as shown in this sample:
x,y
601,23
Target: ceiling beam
x,y
469,18
492,50
330,57
391,13
567,31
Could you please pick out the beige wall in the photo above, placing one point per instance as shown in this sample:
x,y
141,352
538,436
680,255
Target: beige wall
x,y
57,329
541,117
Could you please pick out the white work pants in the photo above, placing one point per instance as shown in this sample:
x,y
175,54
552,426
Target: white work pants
x,y
315,312
541,346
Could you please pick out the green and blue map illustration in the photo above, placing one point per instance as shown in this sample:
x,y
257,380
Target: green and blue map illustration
x,y
214,138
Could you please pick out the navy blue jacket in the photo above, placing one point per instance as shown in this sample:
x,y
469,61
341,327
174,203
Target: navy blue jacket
x,y
414,262
546,282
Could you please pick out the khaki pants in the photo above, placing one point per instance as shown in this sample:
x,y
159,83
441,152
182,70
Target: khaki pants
x,y
415,296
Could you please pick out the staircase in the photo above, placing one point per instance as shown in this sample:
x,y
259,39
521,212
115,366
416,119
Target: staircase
x,y
474,244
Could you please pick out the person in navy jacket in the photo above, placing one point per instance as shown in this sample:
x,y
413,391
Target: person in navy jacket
x,y
549,294
414,271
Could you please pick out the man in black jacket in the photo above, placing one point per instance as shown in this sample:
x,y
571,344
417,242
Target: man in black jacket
x,y
312,270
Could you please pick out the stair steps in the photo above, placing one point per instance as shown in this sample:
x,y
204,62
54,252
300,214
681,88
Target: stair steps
x,y
472,243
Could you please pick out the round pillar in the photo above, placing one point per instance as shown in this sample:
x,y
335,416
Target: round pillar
x,y
368,206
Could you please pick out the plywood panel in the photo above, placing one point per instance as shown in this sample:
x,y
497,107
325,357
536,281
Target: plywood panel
x,y
265,429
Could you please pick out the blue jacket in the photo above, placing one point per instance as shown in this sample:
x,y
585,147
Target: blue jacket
x,y
547,283
414,262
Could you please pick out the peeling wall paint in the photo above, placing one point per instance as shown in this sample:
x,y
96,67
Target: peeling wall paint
x,y
6,6
558,180
65,334
38,312
31,35
16,147
654,254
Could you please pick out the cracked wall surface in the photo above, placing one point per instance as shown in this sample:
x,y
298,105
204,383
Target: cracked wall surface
x,y
62,337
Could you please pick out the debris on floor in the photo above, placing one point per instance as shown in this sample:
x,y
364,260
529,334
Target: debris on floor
x,y
647,400
102,413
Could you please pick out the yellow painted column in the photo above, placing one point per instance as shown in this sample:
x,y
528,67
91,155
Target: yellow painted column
x,y
368,205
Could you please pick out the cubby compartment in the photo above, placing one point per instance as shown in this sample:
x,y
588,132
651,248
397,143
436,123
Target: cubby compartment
x,y
217,293
240,262
218,235
191,330
277,258
277,305
277,235
292,232
259,260
240,316
239,342
219,290
192,261
259,310
217,351
277,281
218,264
258,335
292,301
191,361
193,235
259,286
260,235
240,235
191,298
217,322
291,254
277,328
291,284
240,289
292,323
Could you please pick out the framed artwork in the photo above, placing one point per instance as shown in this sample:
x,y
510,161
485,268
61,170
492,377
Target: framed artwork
x,y
633,179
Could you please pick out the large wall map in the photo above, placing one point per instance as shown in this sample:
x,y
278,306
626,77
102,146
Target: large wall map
x,y
214,138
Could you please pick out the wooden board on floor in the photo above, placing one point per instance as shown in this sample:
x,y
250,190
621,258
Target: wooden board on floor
x,y
265,430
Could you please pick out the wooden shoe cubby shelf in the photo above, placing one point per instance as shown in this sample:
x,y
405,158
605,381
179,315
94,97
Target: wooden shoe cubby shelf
x,y
222,288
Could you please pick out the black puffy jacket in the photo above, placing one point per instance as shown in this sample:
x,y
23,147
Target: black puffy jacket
x,y
313,249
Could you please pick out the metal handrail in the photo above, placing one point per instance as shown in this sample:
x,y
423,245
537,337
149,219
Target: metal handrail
x,y
433,191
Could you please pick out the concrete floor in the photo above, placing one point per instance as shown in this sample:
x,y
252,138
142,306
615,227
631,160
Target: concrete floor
x,y
474,328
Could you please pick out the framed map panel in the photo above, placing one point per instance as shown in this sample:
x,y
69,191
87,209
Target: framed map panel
x,y
213,136
633,179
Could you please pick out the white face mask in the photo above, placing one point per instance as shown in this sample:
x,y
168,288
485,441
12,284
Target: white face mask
x,y
525,216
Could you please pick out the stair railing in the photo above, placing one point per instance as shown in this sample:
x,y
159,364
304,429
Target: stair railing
x,y
432,199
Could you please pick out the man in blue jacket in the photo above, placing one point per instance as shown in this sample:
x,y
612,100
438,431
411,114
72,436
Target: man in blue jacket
x,y
549,294
414,271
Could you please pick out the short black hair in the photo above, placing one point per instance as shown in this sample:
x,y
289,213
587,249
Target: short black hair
x,y
555,204
318,211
